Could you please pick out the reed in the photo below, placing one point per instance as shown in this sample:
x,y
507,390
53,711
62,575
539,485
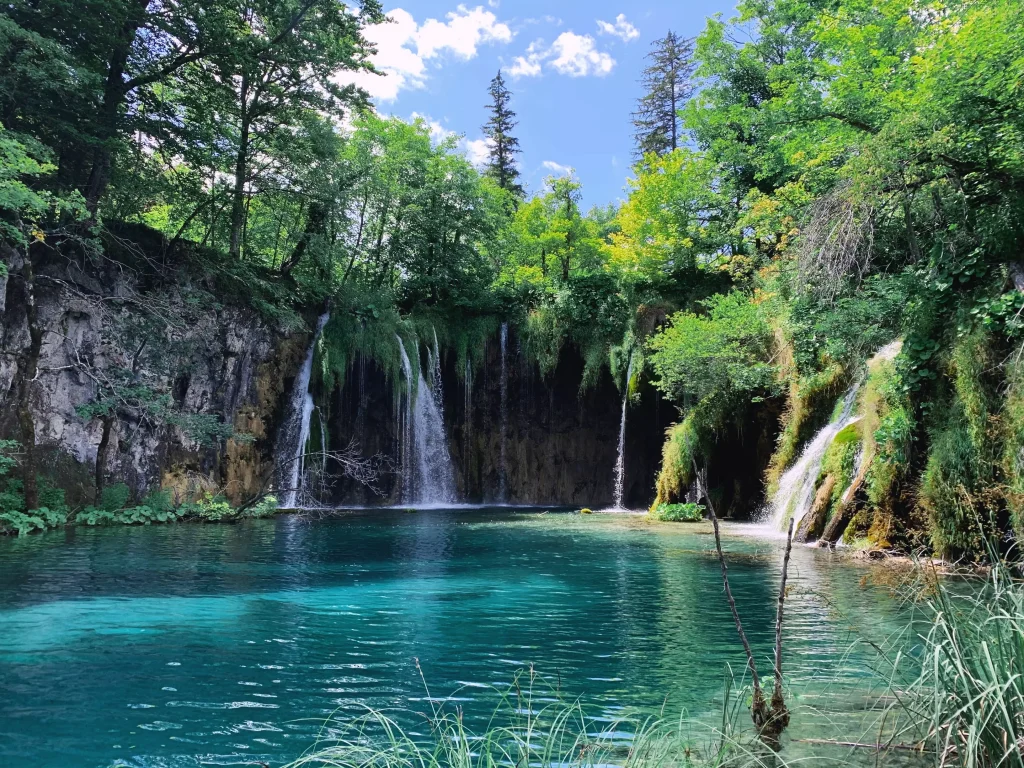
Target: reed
x,y
559,733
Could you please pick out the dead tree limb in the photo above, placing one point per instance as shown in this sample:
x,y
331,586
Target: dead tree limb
x,y
759,708
779,714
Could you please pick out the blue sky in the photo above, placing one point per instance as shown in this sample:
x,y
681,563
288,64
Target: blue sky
x,y
572,66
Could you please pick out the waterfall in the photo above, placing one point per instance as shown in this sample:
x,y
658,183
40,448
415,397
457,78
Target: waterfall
x,y
468,408
435,375
406,424
503,470
294,433
428,475
796,488
620,460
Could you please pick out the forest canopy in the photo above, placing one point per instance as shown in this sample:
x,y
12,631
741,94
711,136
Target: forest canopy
x,y
826,177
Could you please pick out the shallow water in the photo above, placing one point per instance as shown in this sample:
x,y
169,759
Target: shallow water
x,y
197,645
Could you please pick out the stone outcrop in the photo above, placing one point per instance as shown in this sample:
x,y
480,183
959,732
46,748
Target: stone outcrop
x,y
126,363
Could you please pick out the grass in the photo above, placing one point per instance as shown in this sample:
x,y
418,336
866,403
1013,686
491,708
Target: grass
x,y
965,701
524,733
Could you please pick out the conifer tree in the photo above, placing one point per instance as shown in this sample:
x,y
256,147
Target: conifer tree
x,y
503,145
667,84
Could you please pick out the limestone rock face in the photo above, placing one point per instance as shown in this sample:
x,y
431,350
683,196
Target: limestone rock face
x,y
108,330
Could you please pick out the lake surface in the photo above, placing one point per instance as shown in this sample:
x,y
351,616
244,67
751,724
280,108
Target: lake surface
x,y
188,645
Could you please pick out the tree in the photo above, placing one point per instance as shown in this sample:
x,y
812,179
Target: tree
x,y
667,83
116,50
503,145
285,64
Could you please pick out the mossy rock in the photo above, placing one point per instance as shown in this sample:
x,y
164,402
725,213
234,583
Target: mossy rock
x,y
850,434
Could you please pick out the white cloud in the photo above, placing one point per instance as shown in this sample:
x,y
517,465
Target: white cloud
x,y
404,46
462,33
577,56
478,151
571,54
621,29
530,64
557,168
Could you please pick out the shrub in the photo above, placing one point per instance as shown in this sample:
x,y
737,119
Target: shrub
x,y
679,513
114,497
265,507
24,523
141,515
211,509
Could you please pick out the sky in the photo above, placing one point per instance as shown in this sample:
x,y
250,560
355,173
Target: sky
x,y
573,67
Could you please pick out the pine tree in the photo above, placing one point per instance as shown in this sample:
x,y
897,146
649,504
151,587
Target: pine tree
x,y
667,84
503,145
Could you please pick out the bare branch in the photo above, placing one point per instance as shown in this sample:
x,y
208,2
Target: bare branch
x,y
836,244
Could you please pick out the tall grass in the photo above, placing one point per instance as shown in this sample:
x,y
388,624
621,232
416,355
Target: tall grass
x,y
558,734
966,703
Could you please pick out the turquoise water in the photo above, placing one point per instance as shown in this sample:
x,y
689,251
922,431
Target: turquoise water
x,y
198,645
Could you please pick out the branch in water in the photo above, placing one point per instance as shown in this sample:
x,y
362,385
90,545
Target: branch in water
x,y
759,709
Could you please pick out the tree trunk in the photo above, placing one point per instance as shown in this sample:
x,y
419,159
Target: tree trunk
x,y
113,98
316,224
28,365
241,171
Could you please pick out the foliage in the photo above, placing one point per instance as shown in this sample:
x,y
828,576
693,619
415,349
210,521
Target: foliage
x,y
140,515
208,509
26,211
679,513
23,523
683,445
961,679
265,507
728,350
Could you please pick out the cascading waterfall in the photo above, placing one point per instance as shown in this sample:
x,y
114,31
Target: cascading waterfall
x,y
435,374
428,475
405,415
796,488
468,409
294,433
620,461
503,471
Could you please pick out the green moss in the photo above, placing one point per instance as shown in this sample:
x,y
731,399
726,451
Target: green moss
x,y
957,487
840,461
1013,446
888,429
682,445
808,397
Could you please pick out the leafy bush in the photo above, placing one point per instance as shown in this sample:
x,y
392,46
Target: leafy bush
x,y
726,350
265,507
679,513
212,510
24,523
114,497
141,515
